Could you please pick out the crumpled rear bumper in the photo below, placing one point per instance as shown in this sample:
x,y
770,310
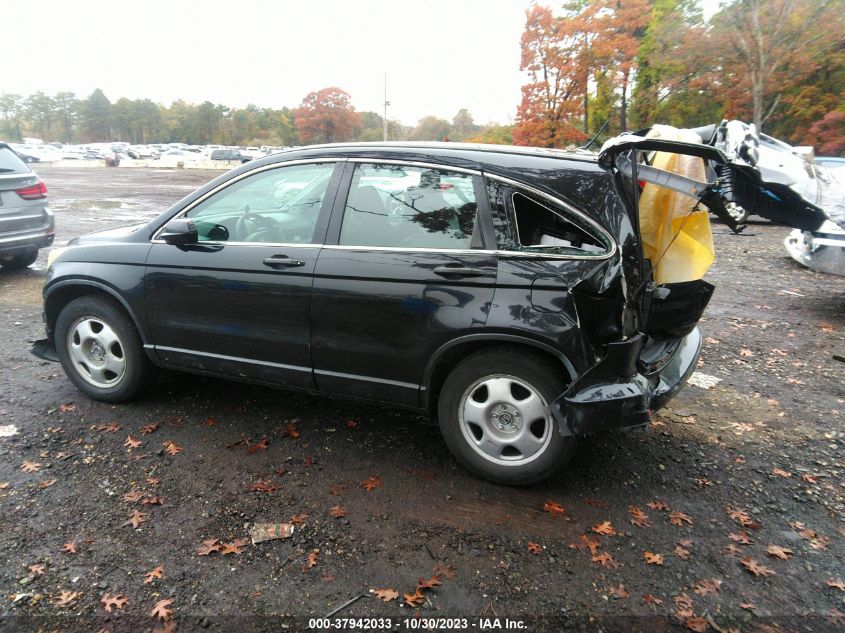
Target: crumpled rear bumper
x,y
616,393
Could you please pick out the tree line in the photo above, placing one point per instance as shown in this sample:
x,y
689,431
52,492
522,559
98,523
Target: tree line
x,y
323,116
626,64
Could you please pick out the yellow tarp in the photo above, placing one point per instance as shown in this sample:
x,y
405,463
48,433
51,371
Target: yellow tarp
x,y
665,214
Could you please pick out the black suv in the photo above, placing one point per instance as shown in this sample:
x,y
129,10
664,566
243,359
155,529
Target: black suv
x,y
501,289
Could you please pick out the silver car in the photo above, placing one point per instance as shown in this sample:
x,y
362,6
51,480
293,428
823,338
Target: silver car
x,y
26,224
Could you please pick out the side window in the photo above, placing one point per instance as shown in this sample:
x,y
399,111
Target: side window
x,y
411,207
523,223
276,206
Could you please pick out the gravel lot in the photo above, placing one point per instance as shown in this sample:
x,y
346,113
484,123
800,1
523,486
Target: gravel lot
x,y
694,503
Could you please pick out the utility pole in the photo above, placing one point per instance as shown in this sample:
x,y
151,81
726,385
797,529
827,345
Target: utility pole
x,y
386,103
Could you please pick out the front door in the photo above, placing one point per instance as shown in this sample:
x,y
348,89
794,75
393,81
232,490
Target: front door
x,y
403,271
238,301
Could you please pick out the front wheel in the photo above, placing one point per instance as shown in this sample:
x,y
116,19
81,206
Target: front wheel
x,y
495,416
100,349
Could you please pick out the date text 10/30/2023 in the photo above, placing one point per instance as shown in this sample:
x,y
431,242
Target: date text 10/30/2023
x,y
414,624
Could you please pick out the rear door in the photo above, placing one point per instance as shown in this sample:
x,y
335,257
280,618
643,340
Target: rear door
x,y
404,270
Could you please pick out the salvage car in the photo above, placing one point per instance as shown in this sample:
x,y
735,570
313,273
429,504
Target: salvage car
x,y
26,223
506,291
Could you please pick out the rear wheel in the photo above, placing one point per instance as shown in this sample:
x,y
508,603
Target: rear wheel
x,y
100,349
21,260
495,417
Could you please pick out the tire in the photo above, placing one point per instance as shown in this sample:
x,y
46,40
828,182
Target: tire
x,y
482,409
100,349
22,260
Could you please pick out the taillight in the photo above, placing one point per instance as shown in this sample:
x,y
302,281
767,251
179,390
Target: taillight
x,y
33,192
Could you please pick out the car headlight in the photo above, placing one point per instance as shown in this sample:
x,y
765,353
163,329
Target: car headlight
x,y
53,255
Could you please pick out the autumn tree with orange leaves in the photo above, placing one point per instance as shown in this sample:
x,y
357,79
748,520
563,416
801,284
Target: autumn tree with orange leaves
x,y
327,116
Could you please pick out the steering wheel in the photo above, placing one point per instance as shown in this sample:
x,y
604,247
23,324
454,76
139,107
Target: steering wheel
x,y
248,223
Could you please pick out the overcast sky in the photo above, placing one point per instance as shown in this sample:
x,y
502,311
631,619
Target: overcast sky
x,y
439,55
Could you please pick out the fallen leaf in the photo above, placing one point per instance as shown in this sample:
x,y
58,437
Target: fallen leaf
x,y
158,572
836,584
234,547
133,496
750,606
756,568
705,587
260,445
351,424
781,473
746,353
604,559
428,583
619,592
605,528
638,517
152,481
445,570
653,559
370,483
658,505
209,422
704,483
111,602
172,447
587,542
162,610
47,483
39,569
291,431
679,518
681,552
650,599
743,537
534,548
338,512
553,508
263,486
69,547
111,427
136,519
299,519
311,560
131,442
67,407
65,598
810,479
151,501
741,517
776,551
697,624
149,428
414,599
211,545
30,467
386,595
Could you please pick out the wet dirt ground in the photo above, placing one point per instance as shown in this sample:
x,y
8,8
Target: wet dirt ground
x,y
725,514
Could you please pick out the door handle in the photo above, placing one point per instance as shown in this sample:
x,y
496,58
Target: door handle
x,y
458,271
283,261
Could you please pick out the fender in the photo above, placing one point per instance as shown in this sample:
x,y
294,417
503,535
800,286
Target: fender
x,y
109,290
514,339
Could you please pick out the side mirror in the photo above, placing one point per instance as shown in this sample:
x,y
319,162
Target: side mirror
x,y
180,231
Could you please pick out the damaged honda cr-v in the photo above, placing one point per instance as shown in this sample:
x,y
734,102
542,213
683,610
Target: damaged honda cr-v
x,y
523,297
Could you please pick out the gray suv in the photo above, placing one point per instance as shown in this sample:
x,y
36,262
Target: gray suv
x,y
26,224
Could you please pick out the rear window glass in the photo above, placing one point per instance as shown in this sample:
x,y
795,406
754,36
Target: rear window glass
x,y
10,163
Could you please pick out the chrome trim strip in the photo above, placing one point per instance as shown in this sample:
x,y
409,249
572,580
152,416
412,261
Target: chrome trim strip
x,y
239,359
383,381
413,163
464,251
238,178
253,244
